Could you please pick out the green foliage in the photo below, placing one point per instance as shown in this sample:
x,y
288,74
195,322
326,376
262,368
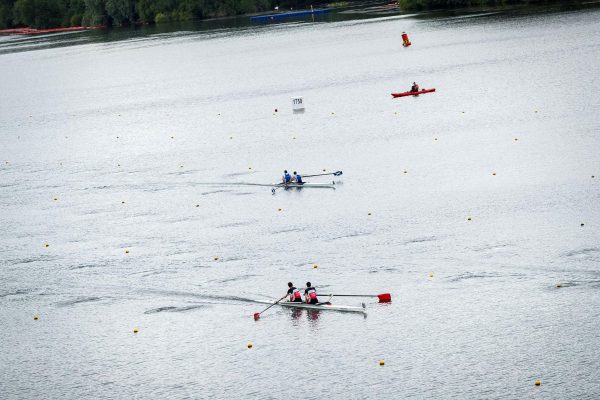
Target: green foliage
x,y
56,13
95,13
448,4
6,13
120,12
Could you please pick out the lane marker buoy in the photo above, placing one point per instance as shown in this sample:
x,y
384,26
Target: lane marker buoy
x,y
35,317
315,266
249,345
537,381
135,330
381,362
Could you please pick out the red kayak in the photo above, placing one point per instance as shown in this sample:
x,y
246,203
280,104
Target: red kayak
x,y
413,93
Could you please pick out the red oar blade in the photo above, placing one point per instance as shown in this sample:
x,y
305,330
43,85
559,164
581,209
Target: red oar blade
x,y
384,298
256,316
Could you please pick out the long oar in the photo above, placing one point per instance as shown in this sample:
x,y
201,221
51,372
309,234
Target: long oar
x,y
383,297
336,173
257,315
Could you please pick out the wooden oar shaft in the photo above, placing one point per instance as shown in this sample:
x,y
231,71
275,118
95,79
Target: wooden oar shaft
x,y
328,173
349,295
258,314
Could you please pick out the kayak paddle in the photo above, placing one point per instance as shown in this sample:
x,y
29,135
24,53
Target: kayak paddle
x,y
257,315
383,297
336,173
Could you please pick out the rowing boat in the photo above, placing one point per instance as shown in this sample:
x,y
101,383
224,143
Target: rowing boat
x,y
319,306
413,93
305,184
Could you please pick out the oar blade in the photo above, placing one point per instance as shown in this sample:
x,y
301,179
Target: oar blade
x,y
337,173
384,298
256,316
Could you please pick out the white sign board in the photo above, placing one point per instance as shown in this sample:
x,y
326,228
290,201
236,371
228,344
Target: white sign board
x,y
297,103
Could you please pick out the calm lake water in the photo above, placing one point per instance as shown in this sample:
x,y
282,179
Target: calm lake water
x,y
477,207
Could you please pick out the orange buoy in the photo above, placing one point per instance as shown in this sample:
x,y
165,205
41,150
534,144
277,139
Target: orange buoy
x,y
405,41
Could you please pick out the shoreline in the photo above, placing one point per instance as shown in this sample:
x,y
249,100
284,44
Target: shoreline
x,y
33,31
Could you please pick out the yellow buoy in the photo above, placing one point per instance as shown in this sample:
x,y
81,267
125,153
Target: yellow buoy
x,y
431,274
369,214
46,245
324,170
406,172
172,137
249,167
559,285
35,317
216,258
468,219
279,209
122,202
381,362
435,139
493,173
197,205
516,139
126,251
135,330
249,345
55,199
315,266
537,381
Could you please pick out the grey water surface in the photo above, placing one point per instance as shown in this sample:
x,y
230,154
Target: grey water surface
x,y
477,207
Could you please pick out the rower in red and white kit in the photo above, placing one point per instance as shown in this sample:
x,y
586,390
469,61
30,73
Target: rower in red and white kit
x,y
310,294
294,293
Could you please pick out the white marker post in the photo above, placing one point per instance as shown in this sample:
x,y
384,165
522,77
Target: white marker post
x,y
297,104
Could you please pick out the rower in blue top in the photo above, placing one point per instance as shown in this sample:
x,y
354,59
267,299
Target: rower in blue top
x,y
287,178
297,178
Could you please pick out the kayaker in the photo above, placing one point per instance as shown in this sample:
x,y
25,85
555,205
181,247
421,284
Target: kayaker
x,y
287,178
297,177
415,87
310,294
294,293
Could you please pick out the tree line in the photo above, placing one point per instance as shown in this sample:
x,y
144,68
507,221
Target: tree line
x,y
448,4
64,13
